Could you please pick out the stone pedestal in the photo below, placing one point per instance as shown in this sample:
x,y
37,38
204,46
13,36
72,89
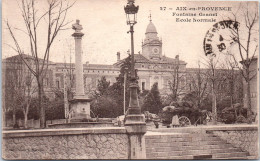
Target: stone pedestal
x,y
135,125
137,141
80,108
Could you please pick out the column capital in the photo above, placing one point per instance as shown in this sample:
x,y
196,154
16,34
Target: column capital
x,y
77,35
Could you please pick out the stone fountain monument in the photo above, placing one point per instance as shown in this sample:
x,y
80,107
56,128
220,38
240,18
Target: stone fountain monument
x,y
80,104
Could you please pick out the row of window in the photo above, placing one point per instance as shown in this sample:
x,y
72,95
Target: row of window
x,y
89,82
93,71
90,71
165,85
160,66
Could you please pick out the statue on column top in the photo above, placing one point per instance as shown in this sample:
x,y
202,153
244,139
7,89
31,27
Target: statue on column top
x,y
77,27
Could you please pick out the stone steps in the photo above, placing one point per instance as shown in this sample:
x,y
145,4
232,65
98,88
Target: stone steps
x,y
252,157
174,139
189,157
184,137
190,146
214,156
184,143
233,158
230,155
192,152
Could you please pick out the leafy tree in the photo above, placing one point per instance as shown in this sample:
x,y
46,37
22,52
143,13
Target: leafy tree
x,y
117,89
55,108
103,103
108,95
205,102
118,86
152,101
105,107
102,87
142,96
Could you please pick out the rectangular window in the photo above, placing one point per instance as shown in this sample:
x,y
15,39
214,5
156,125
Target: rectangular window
x,y
143,86
57,83
168,84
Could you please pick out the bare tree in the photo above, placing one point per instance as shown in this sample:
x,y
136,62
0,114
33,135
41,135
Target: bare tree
x,y
214,77
68,93
20,87
174,84
55,18
68,83
234,81
199,83
12,69
246,38
25,97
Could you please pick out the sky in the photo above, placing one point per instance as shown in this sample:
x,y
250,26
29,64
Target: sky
x,y
105,29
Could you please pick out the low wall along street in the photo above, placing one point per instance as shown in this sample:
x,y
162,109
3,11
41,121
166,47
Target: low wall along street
x,y
105,143
120,143
244,138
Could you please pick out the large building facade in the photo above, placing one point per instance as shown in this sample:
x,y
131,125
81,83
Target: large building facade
x,y
151,64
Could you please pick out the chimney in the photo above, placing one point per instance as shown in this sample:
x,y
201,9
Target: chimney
x,y
87,62
177,57
118,56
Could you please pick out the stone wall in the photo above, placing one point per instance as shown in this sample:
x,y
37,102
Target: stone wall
x,y
244,138
105,143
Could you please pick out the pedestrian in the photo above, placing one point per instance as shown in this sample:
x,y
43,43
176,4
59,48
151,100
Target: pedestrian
x,y
175,121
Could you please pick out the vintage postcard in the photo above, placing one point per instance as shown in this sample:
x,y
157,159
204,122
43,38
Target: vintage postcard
x,y
130,79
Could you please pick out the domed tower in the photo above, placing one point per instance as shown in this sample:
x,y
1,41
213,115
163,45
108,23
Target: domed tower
x,y
152,46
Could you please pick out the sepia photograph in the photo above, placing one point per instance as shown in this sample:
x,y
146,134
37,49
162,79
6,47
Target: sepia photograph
x,y
130,79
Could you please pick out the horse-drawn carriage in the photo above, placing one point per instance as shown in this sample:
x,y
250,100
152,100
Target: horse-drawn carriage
x,y
184,114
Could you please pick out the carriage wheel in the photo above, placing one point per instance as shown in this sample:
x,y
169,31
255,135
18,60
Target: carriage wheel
x,y
184,121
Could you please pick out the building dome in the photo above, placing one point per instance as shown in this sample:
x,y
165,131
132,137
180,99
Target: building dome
x,y
151,28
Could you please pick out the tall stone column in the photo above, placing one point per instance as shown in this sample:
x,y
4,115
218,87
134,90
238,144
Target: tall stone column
x,y
78,64
80,104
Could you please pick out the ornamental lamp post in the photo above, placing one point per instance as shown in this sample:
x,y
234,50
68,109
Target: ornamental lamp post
x,y
134,120
134,116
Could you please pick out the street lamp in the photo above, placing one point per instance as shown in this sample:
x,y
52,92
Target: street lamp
x,y
133,116
131,12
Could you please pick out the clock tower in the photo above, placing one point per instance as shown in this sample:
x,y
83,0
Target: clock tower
x,y
152,46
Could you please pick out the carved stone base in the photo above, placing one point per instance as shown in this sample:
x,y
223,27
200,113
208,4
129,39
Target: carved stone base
x,y
80,108
137,141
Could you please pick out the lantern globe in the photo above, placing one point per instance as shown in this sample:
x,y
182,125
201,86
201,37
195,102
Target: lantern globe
x,y
131,12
